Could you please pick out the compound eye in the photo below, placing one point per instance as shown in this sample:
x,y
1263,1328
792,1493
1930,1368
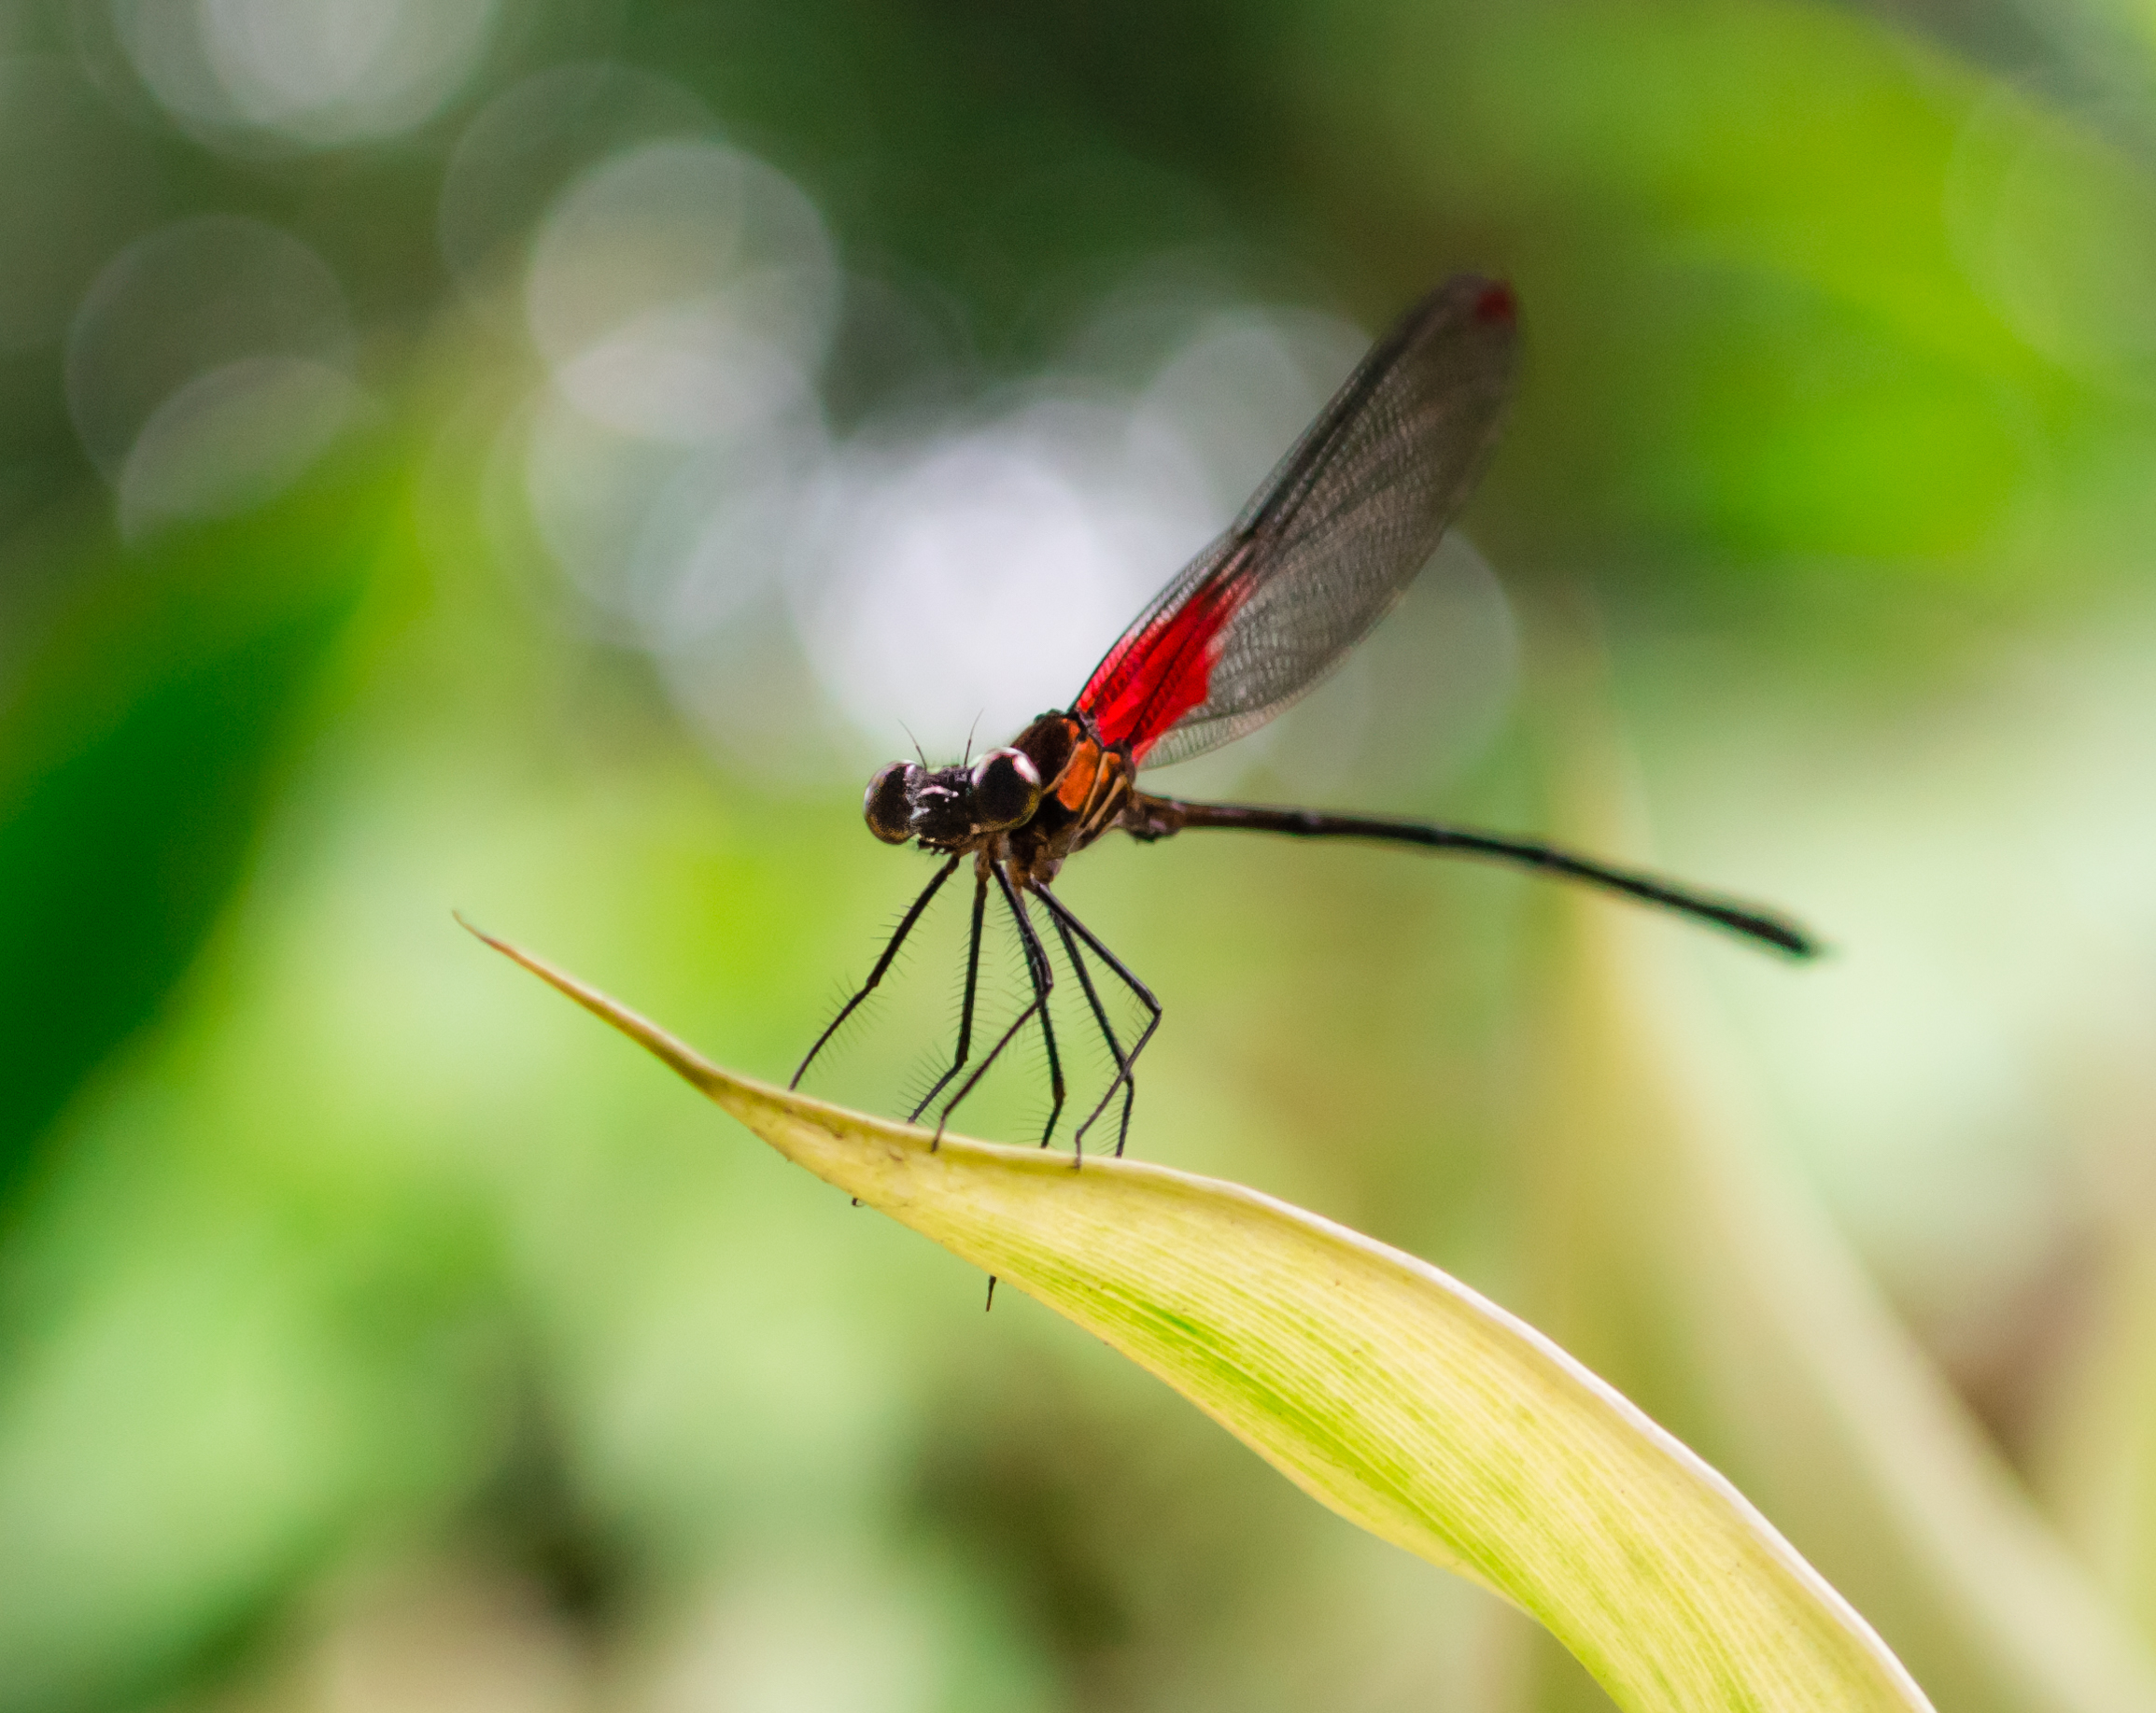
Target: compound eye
x,y
888,806
1006,789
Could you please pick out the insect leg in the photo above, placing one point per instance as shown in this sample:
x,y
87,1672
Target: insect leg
x,y
1108,1029
965,1010
1043,984
884,963
1145,994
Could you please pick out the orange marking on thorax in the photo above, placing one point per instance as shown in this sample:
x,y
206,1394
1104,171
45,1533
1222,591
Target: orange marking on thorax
x,y
1076,788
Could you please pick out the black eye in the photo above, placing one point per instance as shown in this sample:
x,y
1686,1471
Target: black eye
x,y
889,805
1006,788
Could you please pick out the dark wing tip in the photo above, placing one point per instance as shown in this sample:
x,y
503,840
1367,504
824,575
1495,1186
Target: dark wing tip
x,y
1496,306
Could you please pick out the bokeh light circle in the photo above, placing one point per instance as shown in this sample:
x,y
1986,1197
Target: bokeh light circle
x,y
978,577
682,295
313,72
515,158
978,574
209,366
2056,226
683,291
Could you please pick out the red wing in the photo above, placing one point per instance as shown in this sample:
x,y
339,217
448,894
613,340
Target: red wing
x,y
1328,543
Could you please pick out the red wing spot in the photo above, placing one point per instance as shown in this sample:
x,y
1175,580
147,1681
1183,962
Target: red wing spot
x,y
1151,679
1497,304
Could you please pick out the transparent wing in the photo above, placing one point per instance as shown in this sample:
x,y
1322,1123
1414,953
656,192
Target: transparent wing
x,y
1325,547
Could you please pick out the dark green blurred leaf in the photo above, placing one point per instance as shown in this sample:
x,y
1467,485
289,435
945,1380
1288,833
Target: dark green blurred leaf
x,y
141,736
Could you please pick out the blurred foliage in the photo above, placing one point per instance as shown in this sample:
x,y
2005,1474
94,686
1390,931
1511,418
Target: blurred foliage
x,y
370,1327
146,731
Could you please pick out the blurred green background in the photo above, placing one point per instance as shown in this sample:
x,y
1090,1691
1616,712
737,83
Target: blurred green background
x,y
537,457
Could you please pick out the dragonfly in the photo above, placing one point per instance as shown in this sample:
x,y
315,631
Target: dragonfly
x,y
1327,545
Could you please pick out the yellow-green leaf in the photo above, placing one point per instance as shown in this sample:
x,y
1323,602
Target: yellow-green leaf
x,y
1381,1386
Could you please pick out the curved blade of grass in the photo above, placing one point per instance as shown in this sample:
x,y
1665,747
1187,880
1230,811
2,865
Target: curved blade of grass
x,y
1379,1385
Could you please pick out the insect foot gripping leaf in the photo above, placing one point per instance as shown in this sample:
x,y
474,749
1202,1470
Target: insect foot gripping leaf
x,y
1379,1385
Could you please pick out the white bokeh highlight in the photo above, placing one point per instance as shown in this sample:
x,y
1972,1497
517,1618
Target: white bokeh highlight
x,y
680,295
976,577
209,367
683,292
232,439
314,73
523,147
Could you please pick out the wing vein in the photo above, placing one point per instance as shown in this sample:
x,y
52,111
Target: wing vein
x,y
1329,541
